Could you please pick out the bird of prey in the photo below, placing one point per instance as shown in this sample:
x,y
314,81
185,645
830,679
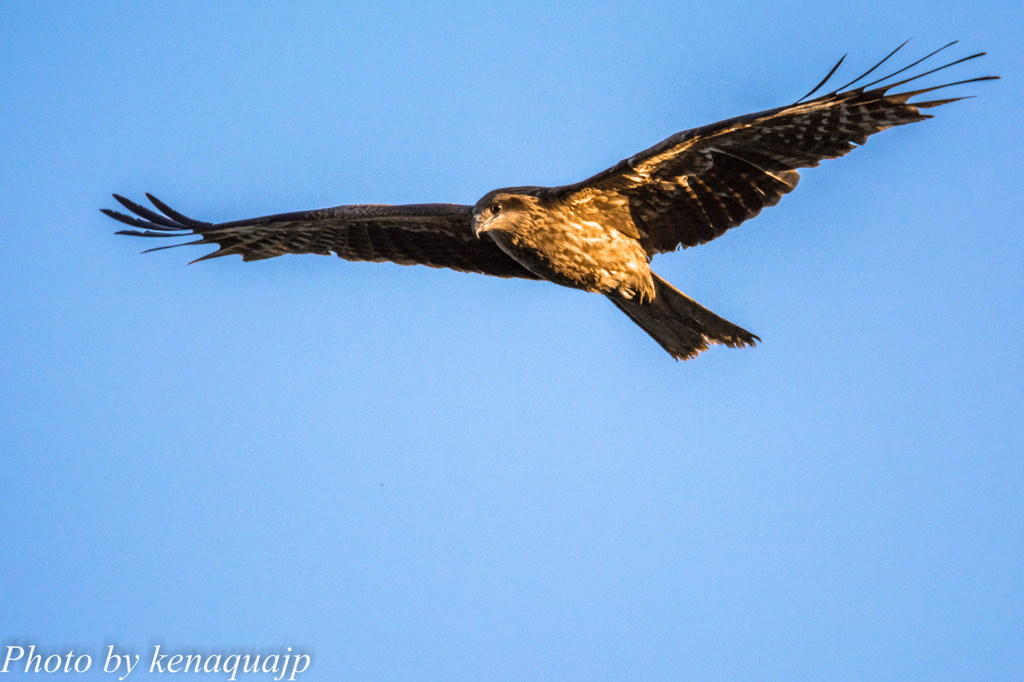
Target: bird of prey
x,y
599,234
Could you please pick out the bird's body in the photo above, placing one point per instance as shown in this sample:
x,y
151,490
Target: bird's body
x,y
597,235
575,244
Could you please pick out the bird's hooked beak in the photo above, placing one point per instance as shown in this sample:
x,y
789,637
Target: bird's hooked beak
x,y
480,224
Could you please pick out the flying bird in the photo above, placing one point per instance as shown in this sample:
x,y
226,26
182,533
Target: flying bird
x,y
600,234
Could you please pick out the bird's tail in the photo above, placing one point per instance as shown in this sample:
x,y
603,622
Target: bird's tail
x,y
682,326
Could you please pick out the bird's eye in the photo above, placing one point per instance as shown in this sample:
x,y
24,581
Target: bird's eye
x,y
495,208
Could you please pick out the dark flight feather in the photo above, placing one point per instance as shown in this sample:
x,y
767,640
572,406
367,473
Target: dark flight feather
x,y
697,184
437,235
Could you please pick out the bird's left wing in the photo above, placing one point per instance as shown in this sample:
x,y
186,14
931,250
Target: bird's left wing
x,y
695,185
436,235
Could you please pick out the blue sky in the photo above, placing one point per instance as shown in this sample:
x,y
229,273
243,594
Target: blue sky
x,y
415,474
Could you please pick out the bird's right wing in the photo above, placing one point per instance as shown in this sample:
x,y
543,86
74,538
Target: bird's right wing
x,y
695,185
436,235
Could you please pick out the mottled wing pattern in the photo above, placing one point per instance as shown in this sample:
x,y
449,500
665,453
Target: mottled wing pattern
x,y
436,235
695,185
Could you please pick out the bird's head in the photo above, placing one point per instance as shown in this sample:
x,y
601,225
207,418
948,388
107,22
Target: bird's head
x,y
502,210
